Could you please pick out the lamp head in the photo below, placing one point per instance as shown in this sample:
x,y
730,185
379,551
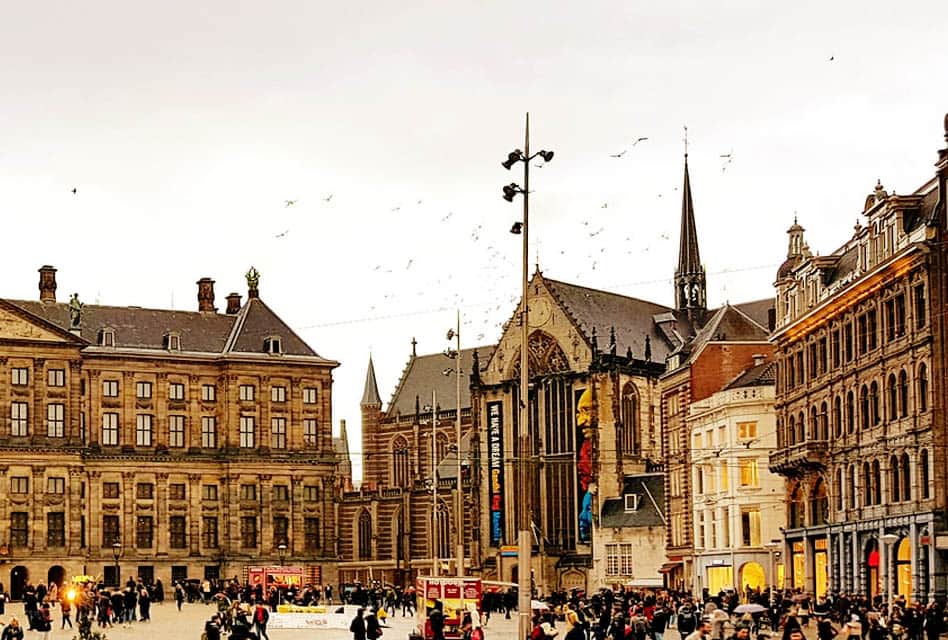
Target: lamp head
x,y
450,334
512,158
510,191
546,155
517,228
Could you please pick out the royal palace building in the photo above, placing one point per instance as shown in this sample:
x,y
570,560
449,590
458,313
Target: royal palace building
x,y
160,443
860,400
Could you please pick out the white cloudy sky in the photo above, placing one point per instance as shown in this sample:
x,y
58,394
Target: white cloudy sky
x,y
185,125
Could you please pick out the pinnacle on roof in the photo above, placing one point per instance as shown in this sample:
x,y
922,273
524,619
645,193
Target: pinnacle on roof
x,y
370,396
690,289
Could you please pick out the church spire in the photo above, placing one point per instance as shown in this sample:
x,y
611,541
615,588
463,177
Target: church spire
x,y
370,397
690,286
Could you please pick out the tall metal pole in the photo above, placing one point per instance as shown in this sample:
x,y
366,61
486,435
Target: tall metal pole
x,y
459,485
436,538
526,448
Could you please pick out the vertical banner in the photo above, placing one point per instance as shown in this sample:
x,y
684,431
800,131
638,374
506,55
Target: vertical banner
x,y
495,467
586,429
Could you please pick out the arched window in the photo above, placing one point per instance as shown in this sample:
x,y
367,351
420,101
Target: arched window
x,y
903,393
867,484
876,482
894,477
814,425
874,403
781,435
922,388
850,412
442,449
630,439
801,427
864,407
892,406
839,489
819,504
923,474
797,506
365,535
837,416
443,531
852,486
791,430
824,433
906,477
400,463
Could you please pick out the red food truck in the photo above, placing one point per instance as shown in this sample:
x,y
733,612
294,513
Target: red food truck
x,y
457,595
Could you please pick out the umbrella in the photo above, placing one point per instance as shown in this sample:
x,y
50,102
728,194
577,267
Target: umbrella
x,y
749,608
539,605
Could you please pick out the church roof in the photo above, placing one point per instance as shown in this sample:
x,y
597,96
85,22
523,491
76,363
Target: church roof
x,y
424,374
758,311
633,319
370,395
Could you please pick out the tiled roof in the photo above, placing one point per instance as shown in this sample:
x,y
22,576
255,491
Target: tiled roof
x,y
727,324
424,374
757,376
370,394
758,310
614,513
256,321
632,318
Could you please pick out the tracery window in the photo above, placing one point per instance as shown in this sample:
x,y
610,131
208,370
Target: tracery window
x,y
630,438
365,536
400,472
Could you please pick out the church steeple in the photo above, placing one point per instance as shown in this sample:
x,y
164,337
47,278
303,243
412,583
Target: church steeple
x,y
690,286
370,396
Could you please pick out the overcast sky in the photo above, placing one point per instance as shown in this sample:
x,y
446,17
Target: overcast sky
x,y
184,126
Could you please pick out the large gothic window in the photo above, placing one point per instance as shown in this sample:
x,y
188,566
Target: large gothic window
x,y
630,438
544,355
442,531
365,536
400,463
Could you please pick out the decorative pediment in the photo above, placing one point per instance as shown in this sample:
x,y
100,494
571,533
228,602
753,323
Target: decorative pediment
x,y
20,326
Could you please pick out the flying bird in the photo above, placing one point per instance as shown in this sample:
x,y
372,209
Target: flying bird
x,y
410,262
605,205
444,219
396,208
282,235
289,203
328,198
618,155
832,58
73,191
638,141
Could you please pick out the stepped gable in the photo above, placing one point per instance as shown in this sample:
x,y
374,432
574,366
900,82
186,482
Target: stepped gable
x,y
139,328
424,374
601,310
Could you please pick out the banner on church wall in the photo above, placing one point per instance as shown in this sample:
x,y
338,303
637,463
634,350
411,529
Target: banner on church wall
x,y
495,466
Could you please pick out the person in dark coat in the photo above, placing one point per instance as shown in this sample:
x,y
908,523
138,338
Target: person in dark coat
x,y
12,631
373,629
357,626
213,627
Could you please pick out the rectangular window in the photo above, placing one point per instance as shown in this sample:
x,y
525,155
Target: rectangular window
x,y
176,391
177,491
20,484
19,529
747,430
56,377
247,432
209,492
619,559
248,532
209,432
210,532
900,315
834,347
277,394
56,529
247,392
110,428
144,491
281,493
178,527
143,429
822,356
725,485
143,390
309,395
248,492
110,490
920,306
889,308
749,473
311,537
19,376
310,493
281,529
144,532
56,486
872,329
848,341
309,432
278,433
175,431
208,393
55,420
110,531
19,419
750,527
110,388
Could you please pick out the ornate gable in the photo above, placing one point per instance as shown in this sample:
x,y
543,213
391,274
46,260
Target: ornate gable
x,y
16,324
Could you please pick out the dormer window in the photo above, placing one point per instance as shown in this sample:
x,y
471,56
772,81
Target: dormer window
x,y
107,337
172,341
631,502
273,344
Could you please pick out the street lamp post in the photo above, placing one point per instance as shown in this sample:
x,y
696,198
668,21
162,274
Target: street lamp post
x,y
772,547
116,554
524,456
281,550
459,496
889,541
435,529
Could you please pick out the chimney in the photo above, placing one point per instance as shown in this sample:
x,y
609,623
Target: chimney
x,y
759,359
233,303
47,283
206,295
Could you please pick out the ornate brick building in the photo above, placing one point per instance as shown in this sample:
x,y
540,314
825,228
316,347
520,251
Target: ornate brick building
x,y
187,444
860,400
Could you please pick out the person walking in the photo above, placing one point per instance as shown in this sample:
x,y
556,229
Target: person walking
x,y
212,628
66,607
178,595
436,621
12,631
357,626
260,618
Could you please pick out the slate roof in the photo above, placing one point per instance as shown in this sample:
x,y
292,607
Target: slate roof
x,y
689,260
727,324
424,374
613,512
370,394
758,310
632,318
140,328
760,375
